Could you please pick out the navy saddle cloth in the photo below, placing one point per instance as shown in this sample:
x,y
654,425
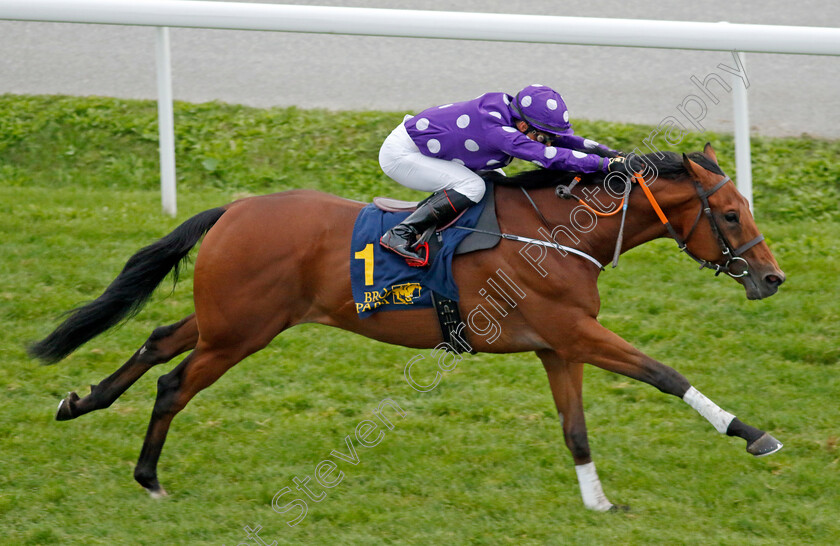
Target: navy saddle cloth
x,y
381,280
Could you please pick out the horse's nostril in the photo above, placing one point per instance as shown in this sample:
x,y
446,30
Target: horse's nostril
x,y
774,280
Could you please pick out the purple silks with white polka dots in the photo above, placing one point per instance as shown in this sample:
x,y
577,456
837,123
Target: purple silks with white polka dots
x,y
481,134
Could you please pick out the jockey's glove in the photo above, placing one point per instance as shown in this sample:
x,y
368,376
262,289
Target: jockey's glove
x,y
625,165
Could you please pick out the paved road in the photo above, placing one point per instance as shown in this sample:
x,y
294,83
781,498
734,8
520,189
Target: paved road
x,y
789,94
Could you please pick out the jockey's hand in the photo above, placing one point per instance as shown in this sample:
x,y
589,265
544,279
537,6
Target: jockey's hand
x,y
625,165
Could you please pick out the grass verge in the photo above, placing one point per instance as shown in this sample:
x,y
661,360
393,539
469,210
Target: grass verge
x,y
478,460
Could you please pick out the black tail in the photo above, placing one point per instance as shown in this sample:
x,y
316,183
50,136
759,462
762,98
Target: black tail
x,y
128,292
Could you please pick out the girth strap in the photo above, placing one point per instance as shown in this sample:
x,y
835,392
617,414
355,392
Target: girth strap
x,y
451,325
447,311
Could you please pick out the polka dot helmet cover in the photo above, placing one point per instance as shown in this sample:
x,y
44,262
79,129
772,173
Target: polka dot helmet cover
x,y
542,108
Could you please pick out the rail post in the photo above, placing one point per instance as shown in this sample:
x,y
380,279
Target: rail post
x,y
743,159
166,123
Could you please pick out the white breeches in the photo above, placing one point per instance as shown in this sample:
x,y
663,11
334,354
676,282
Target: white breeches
x,y
400,158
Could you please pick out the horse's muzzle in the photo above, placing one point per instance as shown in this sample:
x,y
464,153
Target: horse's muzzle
x,y
763,285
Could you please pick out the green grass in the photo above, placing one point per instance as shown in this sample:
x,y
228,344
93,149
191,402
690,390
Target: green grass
x,y
478,460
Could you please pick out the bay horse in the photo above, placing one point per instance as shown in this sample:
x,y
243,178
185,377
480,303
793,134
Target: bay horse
x,y
271,262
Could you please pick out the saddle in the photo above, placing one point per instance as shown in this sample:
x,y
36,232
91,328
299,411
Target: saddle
x,y
395,205
446,306
476,240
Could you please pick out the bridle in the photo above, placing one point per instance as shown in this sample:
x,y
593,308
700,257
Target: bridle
x,y
731,255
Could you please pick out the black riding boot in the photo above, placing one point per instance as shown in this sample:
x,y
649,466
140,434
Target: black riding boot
x,y
438,210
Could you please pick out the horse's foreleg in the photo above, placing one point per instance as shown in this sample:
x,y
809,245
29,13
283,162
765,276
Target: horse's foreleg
x,y
566,381
164,344
600,347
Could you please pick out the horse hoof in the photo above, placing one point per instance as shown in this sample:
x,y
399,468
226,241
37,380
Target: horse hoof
x,y
622,508
65,407
765,445
158,493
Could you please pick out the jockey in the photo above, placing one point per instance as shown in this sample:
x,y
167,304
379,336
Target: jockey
x,y
440,150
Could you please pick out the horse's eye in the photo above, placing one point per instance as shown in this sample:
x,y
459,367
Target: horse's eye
x,y
731,217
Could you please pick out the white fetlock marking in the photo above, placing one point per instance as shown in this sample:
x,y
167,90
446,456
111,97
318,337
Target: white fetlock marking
x,y
717,417
590,488
60,404
161,493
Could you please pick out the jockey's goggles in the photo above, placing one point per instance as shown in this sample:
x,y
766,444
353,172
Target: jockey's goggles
x,y
540,136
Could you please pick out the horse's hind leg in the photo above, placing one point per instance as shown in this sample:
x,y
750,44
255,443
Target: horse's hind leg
x,y
197,371
165,343
566,382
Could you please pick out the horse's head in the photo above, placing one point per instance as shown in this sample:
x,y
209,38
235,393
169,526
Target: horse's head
x,y
724,233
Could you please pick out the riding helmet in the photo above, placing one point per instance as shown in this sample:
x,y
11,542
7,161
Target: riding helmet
x,y
543,108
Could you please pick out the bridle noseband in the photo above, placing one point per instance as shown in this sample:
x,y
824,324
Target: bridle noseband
x,y
732,255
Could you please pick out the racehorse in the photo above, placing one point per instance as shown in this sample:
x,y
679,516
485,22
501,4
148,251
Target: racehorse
x,y
271,262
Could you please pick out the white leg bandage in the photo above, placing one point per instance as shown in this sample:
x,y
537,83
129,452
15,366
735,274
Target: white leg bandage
x,y
717,417
590,488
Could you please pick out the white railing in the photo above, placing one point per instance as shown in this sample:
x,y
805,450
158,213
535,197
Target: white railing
x,y
426,24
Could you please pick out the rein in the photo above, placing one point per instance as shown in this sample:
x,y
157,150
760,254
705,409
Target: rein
x,y
732,255
538,242
565,192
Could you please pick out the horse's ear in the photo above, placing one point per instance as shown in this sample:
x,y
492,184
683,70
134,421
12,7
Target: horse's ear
x,y
709,152
694,170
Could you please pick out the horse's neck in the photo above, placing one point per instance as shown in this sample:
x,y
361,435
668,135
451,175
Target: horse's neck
x,y
598,235
642,223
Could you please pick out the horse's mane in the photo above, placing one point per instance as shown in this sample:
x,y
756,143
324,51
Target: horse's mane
x,y
667,164
671,165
